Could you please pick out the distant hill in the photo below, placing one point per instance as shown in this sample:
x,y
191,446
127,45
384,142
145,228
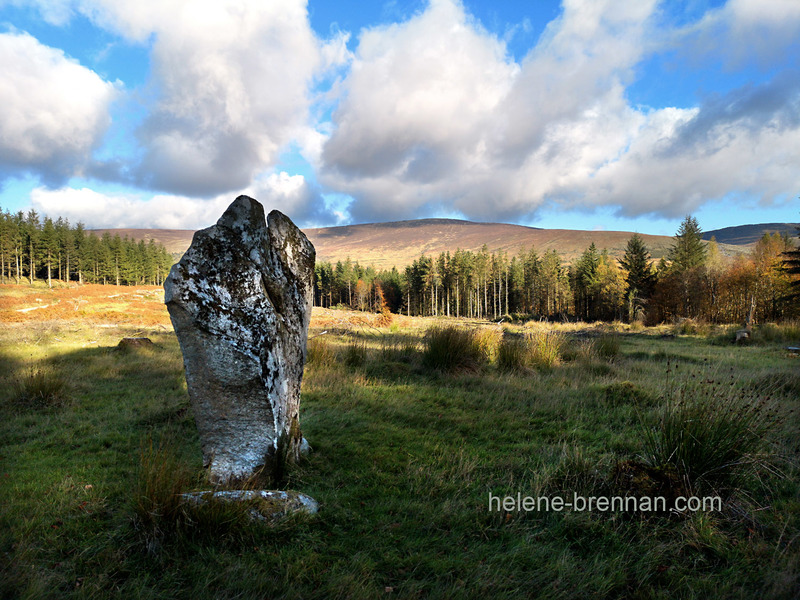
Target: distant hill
x,y
398,243
749,234
176,241
384,245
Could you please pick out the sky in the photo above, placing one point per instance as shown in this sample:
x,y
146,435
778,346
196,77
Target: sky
x,y
582,114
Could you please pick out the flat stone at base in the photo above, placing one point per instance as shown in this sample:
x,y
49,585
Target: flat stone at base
x,y
268,505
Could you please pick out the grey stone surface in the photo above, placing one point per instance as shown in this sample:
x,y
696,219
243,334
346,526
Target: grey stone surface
x,y
265,505
240,302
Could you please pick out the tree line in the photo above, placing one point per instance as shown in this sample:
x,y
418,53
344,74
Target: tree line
x,y
32,247
694,280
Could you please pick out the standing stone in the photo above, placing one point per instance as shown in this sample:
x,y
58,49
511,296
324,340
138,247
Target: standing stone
x,y
240,302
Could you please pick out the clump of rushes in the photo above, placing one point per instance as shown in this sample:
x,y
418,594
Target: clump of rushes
x,y
608,345
39,387
451,348
355,353
319,353
488,340
161,478
714,434
545,348
512,354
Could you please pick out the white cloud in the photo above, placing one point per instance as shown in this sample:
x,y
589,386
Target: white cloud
x,y
416,108
746,142
436,114
291,194
54,12
54,111
232,79
743,31
435,117
432,115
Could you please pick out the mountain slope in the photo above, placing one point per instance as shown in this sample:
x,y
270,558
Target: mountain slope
x,y
397,244
749,234
384,245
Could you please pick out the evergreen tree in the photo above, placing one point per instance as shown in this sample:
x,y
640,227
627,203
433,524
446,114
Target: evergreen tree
x,y
583,274
6,246
791,266
640,279
688,251
48,241
636,261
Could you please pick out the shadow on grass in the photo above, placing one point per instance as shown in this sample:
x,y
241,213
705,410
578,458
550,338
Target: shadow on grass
x,y
403,463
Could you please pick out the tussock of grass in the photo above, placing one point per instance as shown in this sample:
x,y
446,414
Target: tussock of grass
x,y
714,434
636,326
544,348
512,354
40,386
451,348
583,349
691,327
488,340
161,478
608,345
772,333
624,392
355,353
319,352
163,514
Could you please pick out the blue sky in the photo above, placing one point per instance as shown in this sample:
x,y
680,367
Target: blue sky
x,y
582,114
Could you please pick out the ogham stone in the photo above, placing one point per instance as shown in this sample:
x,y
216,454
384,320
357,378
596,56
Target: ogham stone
x,y
240,302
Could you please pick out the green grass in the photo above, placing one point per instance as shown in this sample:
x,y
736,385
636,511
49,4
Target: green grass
x,y
355,353
714,433
38,387
454,348
512,354
545,348
405,457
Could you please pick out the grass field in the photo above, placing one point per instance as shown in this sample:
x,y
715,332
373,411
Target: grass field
x,y
407,449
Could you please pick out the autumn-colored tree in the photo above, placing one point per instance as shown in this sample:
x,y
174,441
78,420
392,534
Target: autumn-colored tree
x,y
608,288
362,294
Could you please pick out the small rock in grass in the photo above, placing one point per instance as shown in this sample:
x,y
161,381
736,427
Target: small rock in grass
x,y
134,342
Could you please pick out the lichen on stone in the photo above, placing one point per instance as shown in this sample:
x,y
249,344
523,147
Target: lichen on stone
x,y
240,302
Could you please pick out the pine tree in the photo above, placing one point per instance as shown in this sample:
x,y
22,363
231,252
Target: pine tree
x,y
641,279
49,247
582,276
688,251
636,262
791,266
